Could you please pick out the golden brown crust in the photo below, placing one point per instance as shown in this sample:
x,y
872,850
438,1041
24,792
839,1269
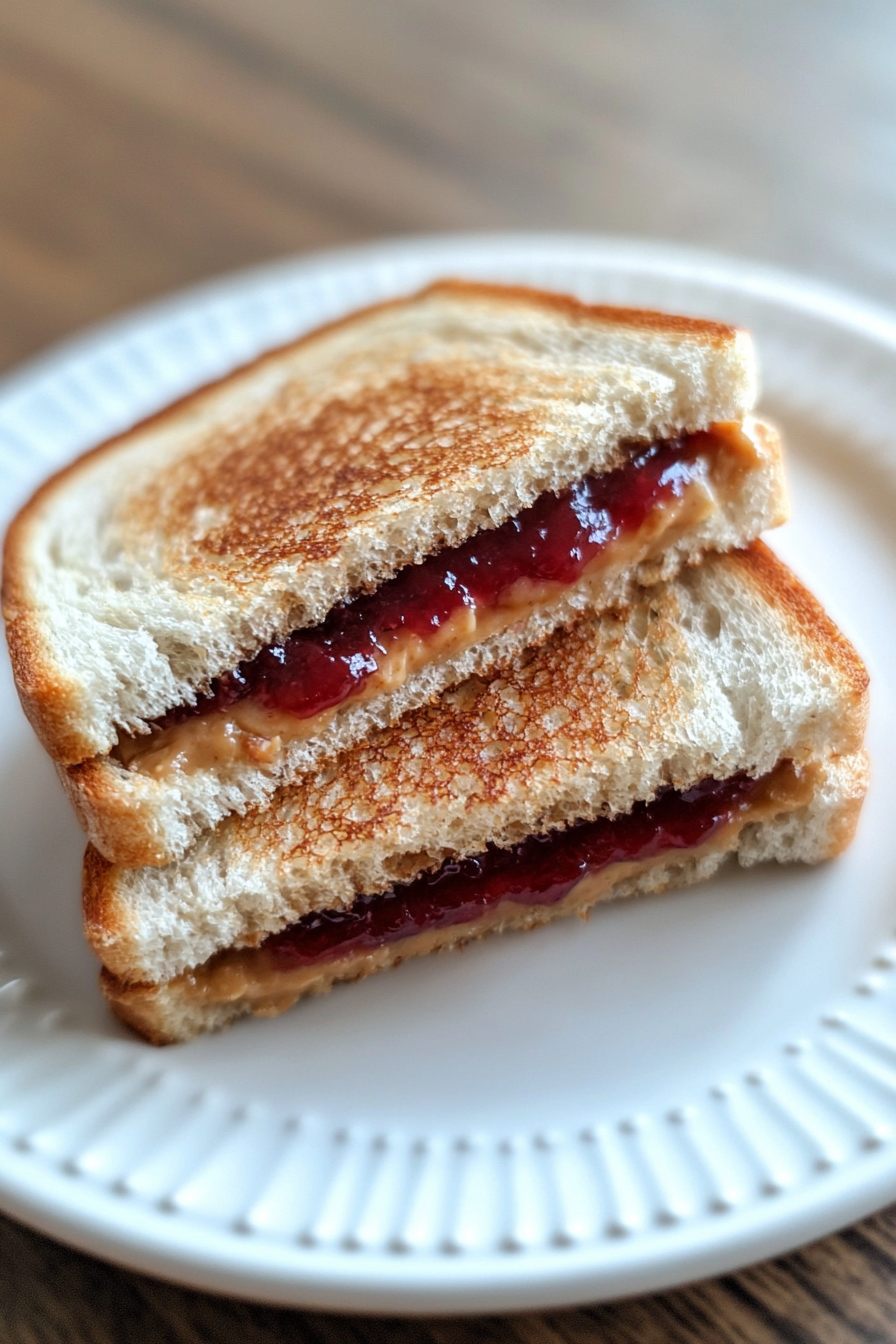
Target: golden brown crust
x,y
292,488
103,923
843,828
646,319
137,1006
46,697
122,821
781,588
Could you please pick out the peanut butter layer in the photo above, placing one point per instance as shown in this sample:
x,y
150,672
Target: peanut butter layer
x,y
251,732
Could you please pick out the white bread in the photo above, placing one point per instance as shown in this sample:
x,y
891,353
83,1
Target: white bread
x,y
163,558
730,667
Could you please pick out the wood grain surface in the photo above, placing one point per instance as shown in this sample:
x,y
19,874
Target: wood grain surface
x,y
146,144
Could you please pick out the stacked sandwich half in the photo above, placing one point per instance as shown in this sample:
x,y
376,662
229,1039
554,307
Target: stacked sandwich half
x,y
449,618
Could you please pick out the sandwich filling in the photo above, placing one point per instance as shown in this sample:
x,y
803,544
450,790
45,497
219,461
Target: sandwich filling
x,y
545,876
579,539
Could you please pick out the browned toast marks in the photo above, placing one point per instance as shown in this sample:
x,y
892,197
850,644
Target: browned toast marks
x,y
781,587
294,486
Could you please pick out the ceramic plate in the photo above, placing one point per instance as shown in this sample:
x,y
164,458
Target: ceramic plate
x,y
683,1085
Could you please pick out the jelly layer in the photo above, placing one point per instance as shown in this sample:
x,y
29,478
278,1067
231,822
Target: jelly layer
x,y
539,871
542,879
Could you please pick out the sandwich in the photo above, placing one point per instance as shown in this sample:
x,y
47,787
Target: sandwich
x,y
720,712
222,599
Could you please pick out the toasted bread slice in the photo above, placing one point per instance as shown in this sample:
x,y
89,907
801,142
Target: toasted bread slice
x,y
235,984
249,510
730,667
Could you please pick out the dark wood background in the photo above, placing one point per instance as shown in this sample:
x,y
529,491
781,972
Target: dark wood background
x,y
145,144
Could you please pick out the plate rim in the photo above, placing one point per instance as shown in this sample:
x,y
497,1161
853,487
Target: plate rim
x,y
764,279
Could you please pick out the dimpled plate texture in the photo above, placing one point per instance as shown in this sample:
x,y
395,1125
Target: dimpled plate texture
x,y
677,1087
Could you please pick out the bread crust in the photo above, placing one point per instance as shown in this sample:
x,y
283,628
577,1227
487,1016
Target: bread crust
x,y
63,708
782,589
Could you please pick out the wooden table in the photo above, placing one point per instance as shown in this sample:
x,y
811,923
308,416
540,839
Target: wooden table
x,y
145,144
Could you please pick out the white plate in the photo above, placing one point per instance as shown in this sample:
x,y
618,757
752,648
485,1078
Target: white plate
x,y
683,1085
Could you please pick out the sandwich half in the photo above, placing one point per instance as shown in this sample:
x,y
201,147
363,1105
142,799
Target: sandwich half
x,y
217,601
720,712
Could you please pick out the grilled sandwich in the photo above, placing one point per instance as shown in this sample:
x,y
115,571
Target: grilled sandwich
x,y
720,712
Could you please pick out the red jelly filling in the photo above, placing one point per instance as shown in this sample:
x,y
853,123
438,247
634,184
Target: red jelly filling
x,y
551,542
540,871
